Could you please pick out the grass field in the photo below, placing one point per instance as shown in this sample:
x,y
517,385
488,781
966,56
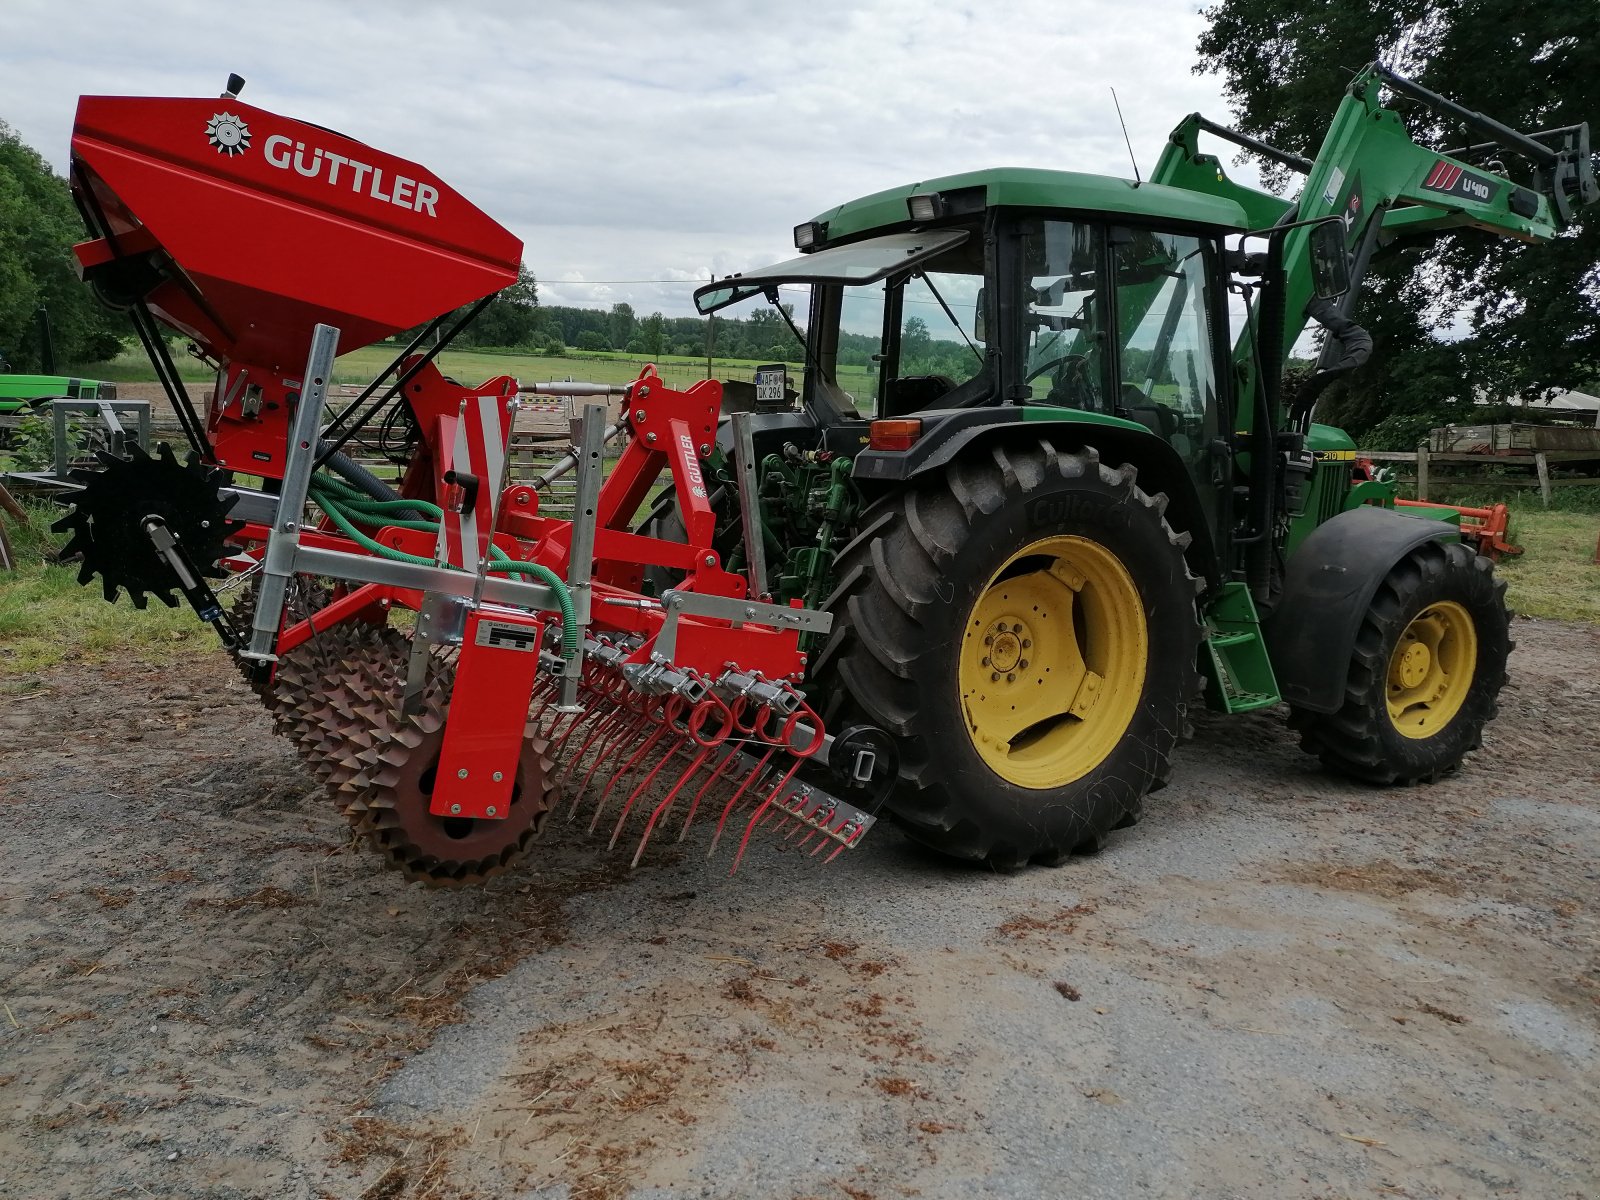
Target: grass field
x,y
46,618
475,366
1556,576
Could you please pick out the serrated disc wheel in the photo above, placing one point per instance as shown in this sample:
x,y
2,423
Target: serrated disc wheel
x,y
338,698
107,521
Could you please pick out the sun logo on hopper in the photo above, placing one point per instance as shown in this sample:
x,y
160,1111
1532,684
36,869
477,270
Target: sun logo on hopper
x,y
228,134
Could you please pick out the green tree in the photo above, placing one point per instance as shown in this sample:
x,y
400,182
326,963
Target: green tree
x,y
653,331
622,324
1532,313
38,226
511,318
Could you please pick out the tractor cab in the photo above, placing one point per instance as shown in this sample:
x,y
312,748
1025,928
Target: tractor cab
x,y
1079,299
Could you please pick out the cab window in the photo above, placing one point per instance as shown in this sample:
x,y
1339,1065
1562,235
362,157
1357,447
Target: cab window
x,y
1168,369
1064,324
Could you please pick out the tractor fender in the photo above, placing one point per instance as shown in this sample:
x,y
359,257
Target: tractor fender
x,y
1327,588
1116,440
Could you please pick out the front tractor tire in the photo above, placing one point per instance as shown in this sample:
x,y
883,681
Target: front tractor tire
x,y
1025,625
1425,675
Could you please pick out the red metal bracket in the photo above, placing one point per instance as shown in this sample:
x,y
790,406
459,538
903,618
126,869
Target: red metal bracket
x,y
495,674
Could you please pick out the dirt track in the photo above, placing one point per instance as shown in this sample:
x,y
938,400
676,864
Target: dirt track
x,y
1277,986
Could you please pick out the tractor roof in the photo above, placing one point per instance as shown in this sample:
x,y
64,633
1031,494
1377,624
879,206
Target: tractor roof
x,y
1034,188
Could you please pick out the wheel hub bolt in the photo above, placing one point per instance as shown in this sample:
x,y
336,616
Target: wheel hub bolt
x,y
1011,678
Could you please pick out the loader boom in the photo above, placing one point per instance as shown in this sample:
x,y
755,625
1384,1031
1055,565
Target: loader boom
x,y
1373,174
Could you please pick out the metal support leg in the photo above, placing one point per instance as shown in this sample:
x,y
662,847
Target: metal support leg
x,y
63,452
744,468
589,454
115,434
279,560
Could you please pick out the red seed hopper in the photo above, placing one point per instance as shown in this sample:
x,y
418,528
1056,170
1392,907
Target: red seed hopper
x,y
260,226
242,229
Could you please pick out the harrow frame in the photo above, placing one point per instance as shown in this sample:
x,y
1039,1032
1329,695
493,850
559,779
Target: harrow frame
x,y
705,674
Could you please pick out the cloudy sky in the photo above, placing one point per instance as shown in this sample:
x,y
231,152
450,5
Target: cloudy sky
x,y
626,140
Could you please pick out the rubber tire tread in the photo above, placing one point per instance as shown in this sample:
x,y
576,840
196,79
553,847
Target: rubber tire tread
x,y
891,648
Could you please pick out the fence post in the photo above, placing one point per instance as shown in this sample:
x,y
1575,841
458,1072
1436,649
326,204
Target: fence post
x,y
8,560
1422,471
1542,466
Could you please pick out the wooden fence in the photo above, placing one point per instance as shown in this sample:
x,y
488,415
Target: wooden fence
x,y
540,436
1423,460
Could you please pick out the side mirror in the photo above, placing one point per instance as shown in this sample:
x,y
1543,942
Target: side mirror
x,y
977,319
1330,266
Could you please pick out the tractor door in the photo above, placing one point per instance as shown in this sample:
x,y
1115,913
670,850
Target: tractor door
x,y
1170,319
1132,323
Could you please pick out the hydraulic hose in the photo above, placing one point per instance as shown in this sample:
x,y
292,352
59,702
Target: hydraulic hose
x,y
354,473
345,506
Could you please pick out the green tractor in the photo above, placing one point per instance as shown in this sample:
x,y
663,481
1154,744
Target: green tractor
x,y
1044,469
23,393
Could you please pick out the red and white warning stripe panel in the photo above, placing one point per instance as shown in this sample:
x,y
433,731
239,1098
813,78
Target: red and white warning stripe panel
x,y
478,461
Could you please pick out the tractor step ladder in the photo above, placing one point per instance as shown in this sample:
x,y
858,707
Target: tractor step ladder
x,y
1239,666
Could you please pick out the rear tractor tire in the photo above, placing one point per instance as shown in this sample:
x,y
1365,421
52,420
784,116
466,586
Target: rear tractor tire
x,y
1426,673
1026,627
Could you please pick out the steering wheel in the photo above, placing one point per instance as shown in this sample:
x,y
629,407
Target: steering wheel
x,y
1073,385
1080,360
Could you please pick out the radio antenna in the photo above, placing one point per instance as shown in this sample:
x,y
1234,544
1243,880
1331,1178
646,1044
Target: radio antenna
x,y
1136,178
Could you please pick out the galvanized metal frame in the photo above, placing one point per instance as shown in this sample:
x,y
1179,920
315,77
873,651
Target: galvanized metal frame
x,y
279,560
744,470
107,410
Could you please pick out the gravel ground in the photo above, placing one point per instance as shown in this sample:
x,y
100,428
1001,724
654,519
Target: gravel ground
x,y
1279,985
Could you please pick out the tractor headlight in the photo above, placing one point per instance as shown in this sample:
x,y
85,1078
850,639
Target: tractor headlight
x,y
925,207
809,236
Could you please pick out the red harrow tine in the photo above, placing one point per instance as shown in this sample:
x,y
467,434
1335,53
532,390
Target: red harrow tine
x,y
626,726
800,753
755,772
761,810
655,815
733,753
708,745
605,704
674,708
654,712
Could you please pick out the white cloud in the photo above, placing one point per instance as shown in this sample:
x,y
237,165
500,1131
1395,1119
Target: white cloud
x,y
628,141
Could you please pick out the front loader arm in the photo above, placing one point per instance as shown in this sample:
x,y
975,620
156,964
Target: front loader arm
x,y
1374,175
1371,173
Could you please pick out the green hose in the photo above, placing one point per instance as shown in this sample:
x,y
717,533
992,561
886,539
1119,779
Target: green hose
x,y
339,500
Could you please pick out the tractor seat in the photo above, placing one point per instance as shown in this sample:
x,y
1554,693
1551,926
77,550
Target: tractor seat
x,y
1157,418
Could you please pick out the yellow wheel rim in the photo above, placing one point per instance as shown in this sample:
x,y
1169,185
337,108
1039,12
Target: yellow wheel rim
x,y
1053,659
1431,668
